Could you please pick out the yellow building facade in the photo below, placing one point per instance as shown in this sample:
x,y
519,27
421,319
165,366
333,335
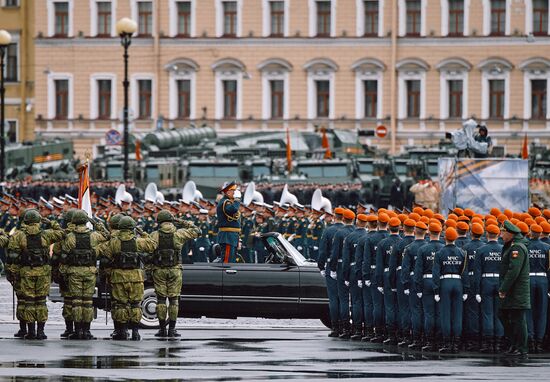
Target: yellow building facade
x,y
245,65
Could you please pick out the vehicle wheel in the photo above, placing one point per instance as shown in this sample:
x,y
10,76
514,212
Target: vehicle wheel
x,y
326,321
149,310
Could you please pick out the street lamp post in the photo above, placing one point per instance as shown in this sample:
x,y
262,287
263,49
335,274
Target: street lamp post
x,y
125,29
5,40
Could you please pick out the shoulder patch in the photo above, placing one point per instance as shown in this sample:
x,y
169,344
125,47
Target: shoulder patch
x,y
515,254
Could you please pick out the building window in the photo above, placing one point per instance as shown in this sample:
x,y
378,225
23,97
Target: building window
x,y
277,17
456,17
230,99
145,18
11,73
323,18
371,17
229,18
455,98
61,10
145,95
540,17
103,99
277,88
413,17
184,99
11,3
413,98
61,99
498,17
371,98
496,98
11,133
538,99
323,98
103,18
184,18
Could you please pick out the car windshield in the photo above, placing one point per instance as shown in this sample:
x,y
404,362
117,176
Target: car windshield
x,y
366,168
280,247
335,171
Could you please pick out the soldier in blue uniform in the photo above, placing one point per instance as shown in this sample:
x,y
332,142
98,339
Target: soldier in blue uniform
x,y
229,225
202,246
316,233
462,229
451,287
423,280
366,298
383,284
414,314
336,268
485,287
325,250
538,276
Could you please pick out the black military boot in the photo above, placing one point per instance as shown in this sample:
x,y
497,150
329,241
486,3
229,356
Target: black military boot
x,y
40,335
334,329
135,331
538,347
120,333
68,329
22,330
416,343
162,329
77,332
391,339
368,334
430,345
116,326
447,346
379,336
455,343
346,330
31,333
500,345
487,345
172,332
86,333
531,346
357,332
405,341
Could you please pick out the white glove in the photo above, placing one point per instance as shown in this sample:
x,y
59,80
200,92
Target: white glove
x,y
237,194
437,298
394,290
380,289
323,273
347,283
360,283
368,283
464,297
478,298
333,275
419,295
548,294
407,292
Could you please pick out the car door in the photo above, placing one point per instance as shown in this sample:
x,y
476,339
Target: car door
x,y
201,292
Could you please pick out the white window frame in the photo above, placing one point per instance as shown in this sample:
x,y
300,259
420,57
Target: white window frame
x,y
134,94
174,77
529,17
228,75
268,76
173,12
94,94
487,17
409,75
360,29
444,78
445,18
529,75
360,77
402,10
266,16
51,16
52,77
16,128
219,17
486,76
312,77
313,17
135,15
93,17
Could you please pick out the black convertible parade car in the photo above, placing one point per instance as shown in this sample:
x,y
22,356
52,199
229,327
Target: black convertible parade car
x,y
285,286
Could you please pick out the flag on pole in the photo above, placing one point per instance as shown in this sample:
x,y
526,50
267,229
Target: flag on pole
x,y
138,150
288,151
525,148
84,199
325,144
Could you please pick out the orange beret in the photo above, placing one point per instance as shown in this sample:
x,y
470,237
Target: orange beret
x,y
514,221
439,217
524,228
395,222
451,234
534,212
339,211
516,215
475,219
463,226
477,229
491,221
362,217
546,213
349,214
380,210
495,212
536,228
432,220
545,227
421,225
463,218
529,221
479,216
392,214
468,212
452,217
508,213
501,218
409,223
491,228
402,217
434,227
372,218
539,219
524,216
429,213
383,218
425,219
458,211
418,210
450,223
414,216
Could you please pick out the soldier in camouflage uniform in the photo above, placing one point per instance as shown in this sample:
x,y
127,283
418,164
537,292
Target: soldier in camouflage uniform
x,y
167,268
126,276
105,263
31,247
80,272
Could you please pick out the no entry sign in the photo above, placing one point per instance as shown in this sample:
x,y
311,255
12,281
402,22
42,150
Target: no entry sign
x,y
381,131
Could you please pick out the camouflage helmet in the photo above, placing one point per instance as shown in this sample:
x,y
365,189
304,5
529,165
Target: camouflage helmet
x,y
79,217
32,216
164,216
68,215
114,221
126,222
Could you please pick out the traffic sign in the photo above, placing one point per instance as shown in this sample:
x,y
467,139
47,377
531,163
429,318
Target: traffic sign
x,y
113,137
381,131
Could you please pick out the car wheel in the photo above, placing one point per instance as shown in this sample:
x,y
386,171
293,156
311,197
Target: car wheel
x,y
149,310
326,321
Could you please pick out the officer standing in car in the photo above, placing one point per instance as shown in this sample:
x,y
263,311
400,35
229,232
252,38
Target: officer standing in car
x,y
229,221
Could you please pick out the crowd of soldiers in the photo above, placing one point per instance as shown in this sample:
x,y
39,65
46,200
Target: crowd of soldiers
x,y
420,280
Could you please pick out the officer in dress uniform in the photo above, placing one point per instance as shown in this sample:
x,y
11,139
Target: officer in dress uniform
x,y
451,288
316,233
229,225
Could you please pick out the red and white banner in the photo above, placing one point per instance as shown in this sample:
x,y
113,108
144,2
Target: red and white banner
x,y
84,199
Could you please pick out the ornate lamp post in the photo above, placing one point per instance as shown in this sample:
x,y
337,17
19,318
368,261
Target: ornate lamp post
x,y
5,40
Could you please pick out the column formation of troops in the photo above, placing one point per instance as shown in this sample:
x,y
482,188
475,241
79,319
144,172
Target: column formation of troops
x,y
429,283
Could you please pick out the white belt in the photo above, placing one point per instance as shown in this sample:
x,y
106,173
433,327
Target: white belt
x,y
490,275
352,263
386,269
470,273
398,268
340,260
537,274
450,276
427,276
373,267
